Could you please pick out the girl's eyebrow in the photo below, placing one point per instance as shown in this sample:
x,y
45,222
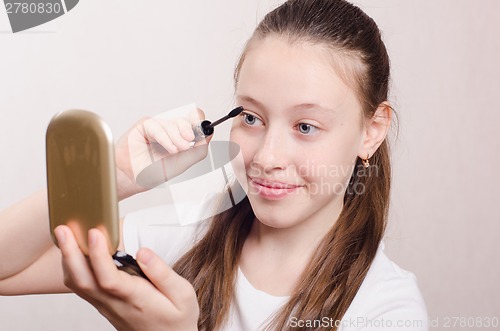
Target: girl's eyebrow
x,y
313,107
251,100
298,108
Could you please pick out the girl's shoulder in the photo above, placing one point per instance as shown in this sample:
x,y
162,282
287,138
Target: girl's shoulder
x,y
389,298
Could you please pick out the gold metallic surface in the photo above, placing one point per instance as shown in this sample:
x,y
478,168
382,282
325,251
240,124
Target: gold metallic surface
x,y
81,179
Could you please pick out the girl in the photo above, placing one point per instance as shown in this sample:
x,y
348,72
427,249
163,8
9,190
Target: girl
x,y
303,250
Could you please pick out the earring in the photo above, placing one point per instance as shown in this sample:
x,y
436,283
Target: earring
x,y
366,162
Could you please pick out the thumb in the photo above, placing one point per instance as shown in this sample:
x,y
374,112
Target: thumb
x,y
180,292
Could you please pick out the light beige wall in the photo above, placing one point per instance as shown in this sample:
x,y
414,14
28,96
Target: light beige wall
x,y
125,59
444,224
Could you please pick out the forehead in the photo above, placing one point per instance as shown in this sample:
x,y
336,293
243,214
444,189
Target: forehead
x,y
276,71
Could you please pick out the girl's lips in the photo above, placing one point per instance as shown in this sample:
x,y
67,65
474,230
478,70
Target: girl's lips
x,y
272,190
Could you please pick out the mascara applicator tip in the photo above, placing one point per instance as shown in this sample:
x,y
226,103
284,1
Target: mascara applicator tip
x,y
235,112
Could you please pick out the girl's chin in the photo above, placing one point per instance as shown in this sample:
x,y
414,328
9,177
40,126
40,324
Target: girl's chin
x,y
274,223
275,215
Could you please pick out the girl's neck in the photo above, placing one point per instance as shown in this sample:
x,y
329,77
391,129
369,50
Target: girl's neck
x,y
301,237
273,259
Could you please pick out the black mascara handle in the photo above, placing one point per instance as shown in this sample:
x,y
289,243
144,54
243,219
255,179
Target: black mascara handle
x,y
206,128
127,263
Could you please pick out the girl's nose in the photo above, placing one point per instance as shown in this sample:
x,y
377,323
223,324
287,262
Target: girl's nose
x,y
272,154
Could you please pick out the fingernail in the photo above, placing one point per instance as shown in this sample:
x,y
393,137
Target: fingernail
x,y
60,236
92,237
144,256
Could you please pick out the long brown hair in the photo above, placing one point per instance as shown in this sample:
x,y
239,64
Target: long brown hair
x,y
333,276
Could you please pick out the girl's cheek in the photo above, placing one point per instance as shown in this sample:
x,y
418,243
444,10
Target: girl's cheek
x,y
247,156
245,143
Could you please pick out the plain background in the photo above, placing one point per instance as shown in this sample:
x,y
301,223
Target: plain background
x,y
127,59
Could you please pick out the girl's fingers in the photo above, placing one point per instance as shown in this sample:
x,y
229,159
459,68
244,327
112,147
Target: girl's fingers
x,y
155,133
171,135
186,130
174,133
77,274
108,277
116,294
203,141
180,292
120,288
196,116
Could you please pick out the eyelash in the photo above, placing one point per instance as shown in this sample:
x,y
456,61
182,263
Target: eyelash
x,y
310,126
246,116
298,126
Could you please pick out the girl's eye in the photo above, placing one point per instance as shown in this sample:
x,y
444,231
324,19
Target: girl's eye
x,y
250,119
308,129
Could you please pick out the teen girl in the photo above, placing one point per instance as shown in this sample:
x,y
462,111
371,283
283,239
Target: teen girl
x,y
297,253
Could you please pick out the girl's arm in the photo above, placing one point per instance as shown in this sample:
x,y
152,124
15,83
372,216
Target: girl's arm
x,y
29,260
30,263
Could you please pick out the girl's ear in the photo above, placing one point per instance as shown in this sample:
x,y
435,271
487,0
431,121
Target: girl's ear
x,y
376,129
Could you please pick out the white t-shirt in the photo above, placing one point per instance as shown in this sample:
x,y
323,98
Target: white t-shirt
x,y
388,299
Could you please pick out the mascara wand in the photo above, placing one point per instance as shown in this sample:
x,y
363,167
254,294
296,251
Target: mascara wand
x,y
206,128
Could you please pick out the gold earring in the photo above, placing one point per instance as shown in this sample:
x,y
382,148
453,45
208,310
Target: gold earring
x,y
366,162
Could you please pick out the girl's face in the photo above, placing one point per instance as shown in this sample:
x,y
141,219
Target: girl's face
x,y
300,133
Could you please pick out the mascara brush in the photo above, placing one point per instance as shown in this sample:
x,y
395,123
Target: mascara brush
x,y
206,128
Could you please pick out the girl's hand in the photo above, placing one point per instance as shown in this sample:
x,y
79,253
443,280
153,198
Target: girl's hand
x,y
128,302
157,150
